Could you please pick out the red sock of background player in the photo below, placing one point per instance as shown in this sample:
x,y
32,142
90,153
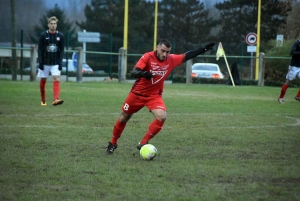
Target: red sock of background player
x,y
117,131
43,89
56,90
154,128
283,90
298,94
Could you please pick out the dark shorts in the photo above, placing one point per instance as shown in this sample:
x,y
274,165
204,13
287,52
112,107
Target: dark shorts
x,y
134,103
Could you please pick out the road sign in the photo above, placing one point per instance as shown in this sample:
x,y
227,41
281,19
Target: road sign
x,y
251,48
75,58
251,38
88,37
279,39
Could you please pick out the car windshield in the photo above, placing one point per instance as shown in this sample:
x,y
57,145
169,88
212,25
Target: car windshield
x,y
206,68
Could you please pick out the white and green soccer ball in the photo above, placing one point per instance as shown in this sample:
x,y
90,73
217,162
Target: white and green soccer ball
x,y
148,152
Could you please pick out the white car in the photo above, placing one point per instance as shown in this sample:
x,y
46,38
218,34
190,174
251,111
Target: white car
x,y
71,67
206,70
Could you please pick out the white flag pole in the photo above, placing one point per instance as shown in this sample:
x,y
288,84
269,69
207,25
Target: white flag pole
x,y
221,52
229,70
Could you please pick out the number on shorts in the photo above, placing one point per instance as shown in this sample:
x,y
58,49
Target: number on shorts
x,y
126,106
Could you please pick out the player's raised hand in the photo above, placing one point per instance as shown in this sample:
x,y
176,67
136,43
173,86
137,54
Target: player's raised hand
x,y
209,46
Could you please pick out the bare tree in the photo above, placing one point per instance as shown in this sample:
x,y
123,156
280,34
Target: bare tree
x,y
5,5
292,29
27,13
13,40
76,8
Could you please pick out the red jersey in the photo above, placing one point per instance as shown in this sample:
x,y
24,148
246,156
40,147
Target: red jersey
x,y
160,70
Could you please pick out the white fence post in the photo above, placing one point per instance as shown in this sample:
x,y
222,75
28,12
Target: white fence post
x,y
261,71
122,65
33,56
79,65
188,65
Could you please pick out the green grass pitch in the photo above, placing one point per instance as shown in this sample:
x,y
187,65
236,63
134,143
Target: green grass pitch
x,y
218,143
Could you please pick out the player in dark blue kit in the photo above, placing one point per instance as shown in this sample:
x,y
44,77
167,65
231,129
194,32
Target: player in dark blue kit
x,y
50,55
294,71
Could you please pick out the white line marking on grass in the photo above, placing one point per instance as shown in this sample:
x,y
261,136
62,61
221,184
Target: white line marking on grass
x,y
297,120
29,126
259,127
297,123
214,96
118,113
202,114
57,115
54,127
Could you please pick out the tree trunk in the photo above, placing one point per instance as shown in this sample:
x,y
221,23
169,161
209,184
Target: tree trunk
x,y
13,40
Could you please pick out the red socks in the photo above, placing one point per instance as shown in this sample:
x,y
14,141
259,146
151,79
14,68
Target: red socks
x,y
298,94
283,90
56,90
117,131
43,89
154,128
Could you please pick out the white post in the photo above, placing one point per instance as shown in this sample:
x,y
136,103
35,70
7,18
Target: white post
x,y
261,71
79,65
122,65
188,75
84,49
33,56
251,67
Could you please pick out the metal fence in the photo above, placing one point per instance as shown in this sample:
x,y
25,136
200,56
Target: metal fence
x,y
111,63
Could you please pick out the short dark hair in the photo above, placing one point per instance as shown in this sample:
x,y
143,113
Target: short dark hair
x,y
165,42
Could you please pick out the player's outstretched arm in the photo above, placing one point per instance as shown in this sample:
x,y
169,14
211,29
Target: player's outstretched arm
x,y
138,73
193,53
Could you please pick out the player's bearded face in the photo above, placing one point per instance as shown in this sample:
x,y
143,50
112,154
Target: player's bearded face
x,y
162,52
52,25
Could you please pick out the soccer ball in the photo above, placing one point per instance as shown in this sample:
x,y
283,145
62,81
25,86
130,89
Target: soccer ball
x,y
148,152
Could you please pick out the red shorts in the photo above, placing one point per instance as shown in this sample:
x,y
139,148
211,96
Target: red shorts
x,y
134,103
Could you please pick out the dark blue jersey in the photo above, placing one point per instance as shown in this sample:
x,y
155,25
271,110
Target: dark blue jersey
x,y
51,48
295,53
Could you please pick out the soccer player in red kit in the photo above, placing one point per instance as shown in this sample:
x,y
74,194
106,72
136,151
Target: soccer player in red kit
x,y
150,72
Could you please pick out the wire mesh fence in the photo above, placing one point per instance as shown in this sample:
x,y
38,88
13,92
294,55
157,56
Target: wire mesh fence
x,y
105,63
